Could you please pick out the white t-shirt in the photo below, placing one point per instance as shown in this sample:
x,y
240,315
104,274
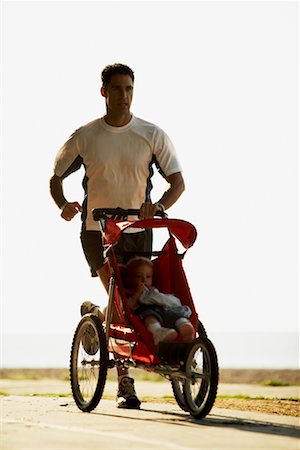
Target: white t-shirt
x,y
118,163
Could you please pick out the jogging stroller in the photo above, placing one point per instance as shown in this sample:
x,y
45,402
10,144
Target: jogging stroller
x,y
192,368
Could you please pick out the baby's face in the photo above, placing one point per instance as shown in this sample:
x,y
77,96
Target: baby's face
x,y
141,275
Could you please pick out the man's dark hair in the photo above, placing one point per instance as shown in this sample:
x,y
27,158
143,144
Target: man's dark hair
x,y
113,69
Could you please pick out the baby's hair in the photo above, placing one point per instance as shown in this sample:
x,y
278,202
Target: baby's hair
x,y
136,262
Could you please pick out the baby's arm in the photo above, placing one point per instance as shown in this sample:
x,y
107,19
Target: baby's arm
x,y
134,297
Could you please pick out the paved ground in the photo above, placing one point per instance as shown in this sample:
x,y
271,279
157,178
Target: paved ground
x,y
31,423
47,423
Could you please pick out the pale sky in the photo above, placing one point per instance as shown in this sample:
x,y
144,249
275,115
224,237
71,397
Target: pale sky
x,y
221,78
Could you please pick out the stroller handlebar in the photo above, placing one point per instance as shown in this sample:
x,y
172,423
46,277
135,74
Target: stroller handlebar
x,y
119,213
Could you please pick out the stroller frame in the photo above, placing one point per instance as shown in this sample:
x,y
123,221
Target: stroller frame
x,y
122,340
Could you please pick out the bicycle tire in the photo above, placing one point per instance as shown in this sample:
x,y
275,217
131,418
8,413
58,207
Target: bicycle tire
x,y
177,384
201,366
88,363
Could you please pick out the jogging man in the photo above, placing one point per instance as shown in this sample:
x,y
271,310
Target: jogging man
x,y
117,152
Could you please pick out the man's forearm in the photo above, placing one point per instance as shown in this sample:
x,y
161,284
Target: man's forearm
x,y
174,192
56,190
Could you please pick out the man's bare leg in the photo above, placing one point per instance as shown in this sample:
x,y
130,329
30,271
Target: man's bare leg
x,y
122,372
102,274
126,395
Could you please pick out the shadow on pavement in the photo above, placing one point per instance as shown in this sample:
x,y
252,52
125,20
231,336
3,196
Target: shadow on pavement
x,y
258,426
215,420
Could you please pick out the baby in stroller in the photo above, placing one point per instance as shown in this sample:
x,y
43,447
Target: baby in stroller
x,y
163,314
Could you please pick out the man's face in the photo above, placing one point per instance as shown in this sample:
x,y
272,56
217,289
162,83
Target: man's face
x,y
118,94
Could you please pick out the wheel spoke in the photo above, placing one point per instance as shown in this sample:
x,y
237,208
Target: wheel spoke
x,y
178,383
88,366
201,368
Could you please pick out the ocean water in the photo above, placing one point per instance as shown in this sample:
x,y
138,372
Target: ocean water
x,y
234,350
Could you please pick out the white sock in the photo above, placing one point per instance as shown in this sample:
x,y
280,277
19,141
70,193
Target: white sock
x,y
179,322
154,326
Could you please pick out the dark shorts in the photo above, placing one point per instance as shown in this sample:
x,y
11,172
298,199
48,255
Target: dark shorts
x,y
167,317
129,245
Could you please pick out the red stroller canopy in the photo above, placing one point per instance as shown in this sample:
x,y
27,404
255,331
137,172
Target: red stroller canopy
x,y
184,231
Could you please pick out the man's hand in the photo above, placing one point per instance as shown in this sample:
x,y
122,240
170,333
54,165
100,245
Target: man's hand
x,y
148,210
176,188
70,210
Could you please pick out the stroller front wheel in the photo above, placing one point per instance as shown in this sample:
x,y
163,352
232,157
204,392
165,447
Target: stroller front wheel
x,y
201,368
88,363
177,384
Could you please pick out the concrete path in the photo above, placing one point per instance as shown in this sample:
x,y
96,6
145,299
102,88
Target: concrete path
x,y
30,423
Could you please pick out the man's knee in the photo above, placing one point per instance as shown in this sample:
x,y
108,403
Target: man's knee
x,y
102,274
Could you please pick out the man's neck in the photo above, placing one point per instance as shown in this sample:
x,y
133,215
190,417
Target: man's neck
x,y
117,120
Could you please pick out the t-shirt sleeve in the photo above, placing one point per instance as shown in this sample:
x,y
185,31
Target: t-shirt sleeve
x,y
166,159
68,158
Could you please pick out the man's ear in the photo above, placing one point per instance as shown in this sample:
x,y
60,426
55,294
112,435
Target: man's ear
x,y
103,93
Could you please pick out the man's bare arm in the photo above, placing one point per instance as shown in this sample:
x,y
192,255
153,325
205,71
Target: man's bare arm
x,y
69,209
168,199
56,190
177,187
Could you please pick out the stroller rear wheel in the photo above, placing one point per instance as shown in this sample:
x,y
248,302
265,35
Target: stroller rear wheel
x,y
201,368
88,363
177,384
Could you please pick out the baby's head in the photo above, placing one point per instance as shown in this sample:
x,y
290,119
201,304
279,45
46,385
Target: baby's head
x,y
139,270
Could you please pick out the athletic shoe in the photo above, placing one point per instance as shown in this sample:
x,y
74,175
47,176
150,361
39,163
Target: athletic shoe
x,y
90,340
164,335
89,308
126,396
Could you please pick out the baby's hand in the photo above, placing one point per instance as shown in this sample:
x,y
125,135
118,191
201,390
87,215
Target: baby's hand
x,y
140,289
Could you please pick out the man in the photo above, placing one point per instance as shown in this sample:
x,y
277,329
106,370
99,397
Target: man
x,y
117,152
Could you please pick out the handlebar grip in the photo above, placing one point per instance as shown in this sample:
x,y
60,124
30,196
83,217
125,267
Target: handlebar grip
x,y
119,213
